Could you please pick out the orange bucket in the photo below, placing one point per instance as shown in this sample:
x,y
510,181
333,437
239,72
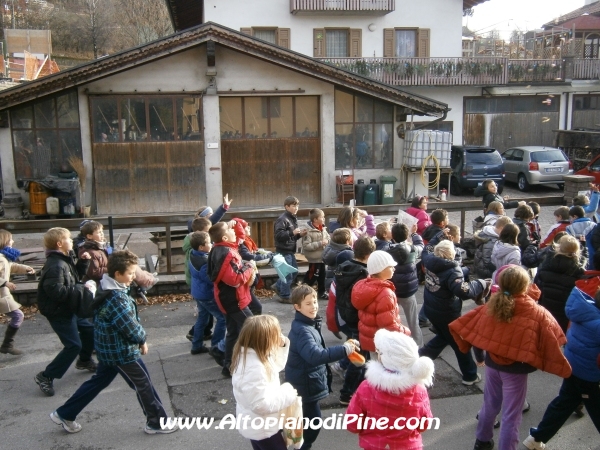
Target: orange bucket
x,y
37,198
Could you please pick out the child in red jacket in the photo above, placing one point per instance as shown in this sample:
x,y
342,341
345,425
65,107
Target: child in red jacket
x,y
395,389
375,300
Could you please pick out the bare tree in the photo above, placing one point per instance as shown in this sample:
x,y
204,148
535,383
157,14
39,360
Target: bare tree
x,y
142,21
97,24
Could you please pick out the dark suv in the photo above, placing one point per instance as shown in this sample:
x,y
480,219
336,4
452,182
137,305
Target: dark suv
x,y
472,164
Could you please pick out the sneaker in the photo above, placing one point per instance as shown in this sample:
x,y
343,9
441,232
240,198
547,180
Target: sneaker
x,y
70,426
45,384
287,301
324,296
208,336
217,355
532,444
190,337
471,383
337,369
496,422
344,400
150,430
424,323
225,372
87,365
197,351
526,406
579,411
482,445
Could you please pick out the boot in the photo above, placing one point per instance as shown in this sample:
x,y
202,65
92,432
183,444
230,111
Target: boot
x,y
7,344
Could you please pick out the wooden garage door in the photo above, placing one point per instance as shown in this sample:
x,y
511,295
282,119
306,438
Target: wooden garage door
x,y
149,177
262,172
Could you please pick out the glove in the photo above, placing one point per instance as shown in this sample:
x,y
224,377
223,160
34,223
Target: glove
x,y
351,345
91,286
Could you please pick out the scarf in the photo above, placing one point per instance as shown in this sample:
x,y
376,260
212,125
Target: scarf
x,y
10,253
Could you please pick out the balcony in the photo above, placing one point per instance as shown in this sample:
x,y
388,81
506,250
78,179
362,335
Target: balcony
x,y
476,71
343,7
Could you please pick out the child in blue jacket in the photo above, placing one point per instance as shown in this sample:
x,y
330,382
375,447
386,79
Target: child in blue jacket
x,y
203,293
306,368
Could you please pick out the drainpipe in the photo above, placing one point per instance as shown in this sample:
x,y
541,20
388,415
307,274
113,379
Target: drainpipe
x,y
418,127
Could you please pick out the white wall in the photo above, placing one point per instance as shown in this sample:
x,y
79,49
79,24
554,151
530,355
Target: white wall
x,y
443,17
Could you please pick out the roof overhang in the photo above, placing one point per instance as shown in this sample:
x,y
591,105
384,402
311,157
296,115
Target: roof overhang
x,y
184,40
471,3
185,13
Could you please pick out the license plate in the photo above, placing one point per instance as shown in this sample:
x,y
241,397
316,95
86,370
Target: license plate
x,y
554,169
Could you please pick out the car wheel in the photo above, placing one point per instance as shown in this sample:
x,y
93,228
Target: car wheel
x,y
455,188
561,186
500,189
523,183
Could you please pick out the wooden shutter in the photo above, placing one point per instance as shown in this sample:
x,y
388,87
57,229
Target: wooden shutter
x,y
423,42
355,43
388,43
319,42
283,37
246,31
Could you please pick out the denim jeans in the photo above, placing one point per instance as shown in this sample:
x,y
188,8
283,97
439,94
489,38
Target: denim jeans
x,y
206,309
285,289
77,337
573,391
507,391
135,375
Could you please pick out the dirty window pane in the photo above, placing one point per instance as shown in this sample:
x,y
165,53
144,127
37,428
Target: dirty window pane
x,y
477,105
344,146
47,157
307,116
22,117
500,105
133,113
68,110
282,117
44,114
70,143
256,120
161,119
364,109
23,144
524,104
188,119
363,137
382,145
105,119
344,108
383,112
231,117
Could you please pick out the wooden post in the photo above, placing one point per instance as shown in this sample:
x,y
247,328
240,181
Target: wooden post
x,y
168,238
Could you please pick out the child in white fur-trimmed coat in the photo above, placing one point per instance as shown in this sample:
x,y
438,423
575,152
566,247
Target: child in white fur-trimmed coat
x,y
394,388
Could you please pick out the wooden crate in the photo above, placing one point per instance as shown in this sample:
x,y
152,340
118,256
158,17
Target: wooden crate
x,y
177,254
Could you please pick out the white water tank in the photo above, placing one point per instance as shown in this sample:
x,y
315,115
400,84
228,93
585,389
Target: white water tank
x,y
52,206
419,144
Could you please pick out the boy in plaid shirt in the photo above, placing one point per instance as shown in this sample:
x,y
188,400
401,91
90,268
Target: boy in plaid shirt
x,y
119,340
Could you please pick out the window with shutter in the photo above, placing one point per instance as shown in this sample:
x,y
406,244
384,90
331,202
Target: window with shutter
x,y
388,43
423,42
319,42
355,43
406,42
246,31
283,37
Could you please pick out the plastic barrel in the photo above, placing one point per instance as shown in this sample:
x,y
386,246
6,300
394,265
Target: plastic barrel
x,y
370,195
359,190
37,198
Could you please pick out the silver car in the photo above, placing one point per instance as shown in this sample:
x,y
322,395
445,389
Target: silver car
x,y
536,165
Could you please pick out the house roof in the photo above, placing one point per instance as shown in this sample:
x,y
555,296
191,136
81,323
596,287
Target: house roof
x,y
470,3
583,23
178,42
591,9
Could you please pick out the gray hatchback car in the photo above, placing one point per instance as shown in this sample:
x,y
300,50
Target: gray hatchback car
x,y
536,165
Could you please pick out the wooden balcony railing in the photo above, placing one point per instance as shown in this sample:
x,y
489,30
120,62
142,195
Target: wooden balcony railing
x,y
348,6
461,71
586,69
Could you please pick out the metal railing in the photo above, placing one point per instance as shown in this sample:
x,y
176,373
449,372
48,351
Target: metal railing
x,y
266,218
342,5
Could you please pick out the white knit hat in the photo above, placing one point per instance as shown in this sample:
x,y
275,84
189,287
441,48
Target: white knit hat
x,y
378,261
399,353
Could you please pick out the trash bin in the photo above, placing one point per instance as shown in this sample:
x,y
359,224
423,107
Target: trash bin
x,y
360,192
37,198
387,189
66,202
371,196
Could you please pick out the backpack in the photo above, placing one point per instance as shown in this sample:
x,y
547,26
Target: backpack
x,y
589,284
347,275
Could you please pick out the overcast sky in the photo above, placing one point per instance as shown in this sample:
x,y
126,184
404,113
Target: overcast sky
x,y
508,15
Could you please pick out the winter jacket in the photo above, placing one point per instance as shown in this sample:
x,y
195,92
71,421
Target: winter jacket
x,y
377,308
484,246
430,232
118,333
59,288
423,218
535,230
594,244
534,257
330,253
247,248
285,239
504,254
490,219
312,243
583,337
556,278
532,336
445,287
580,227
524,238
590,209
488,198
7,302
383,245
258,391
435,240
391,395
306,367
202,286
347,275
367,228
214,217
405,273
553,231
98,261
230,276
187,249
